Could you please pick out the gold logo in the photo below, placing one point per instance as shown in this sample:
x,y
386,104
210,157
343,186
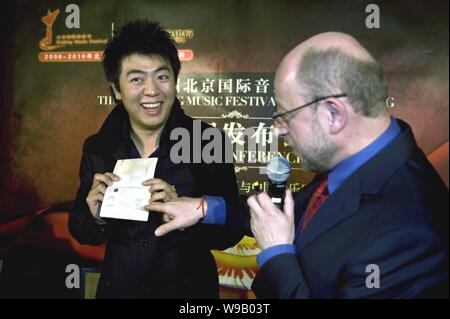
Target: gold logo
x,y
49,19
66,40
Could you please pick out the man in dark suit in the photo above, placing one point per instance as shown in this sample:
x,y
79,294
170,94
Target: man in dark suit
x,y
141,65
374,221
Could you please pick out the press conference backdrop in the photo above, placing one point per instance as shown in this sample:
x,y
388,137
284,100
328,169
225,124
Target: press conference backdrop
x,y
54,93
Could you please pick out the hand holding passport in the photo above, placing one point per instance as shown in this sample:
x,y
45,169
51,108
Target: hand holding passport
x,y
126,198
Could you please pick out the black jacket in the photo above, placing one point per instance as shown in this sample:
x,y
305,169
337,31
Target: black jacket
x,y
137,264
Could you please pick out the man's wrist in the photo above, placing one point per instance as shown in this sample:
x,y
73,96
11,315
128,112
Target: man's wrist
x,y
215,210
273,251
202,208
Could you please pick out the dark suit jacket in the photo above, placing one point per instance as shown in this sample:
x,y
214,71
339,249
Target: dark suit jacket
x,y
392,212
137,264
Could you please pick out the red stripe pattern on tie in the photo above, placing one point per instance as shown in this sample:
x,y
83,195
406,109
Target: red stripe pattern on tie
x,y
318,197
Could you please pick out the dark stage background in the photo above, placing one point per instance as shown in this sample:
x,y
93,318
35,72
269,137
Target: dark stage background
x,y
54,94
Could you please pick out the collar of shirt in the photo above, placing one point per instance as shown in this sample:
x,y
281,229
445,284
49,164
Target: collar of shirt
x,y
134,153
345,168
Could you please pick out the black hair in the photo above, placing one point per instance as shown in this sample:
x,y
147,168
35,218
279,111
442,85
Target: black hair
x,y
142,37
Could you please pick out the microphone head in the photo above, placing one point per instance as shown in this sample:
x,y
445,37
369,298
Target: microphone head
x,y
278,169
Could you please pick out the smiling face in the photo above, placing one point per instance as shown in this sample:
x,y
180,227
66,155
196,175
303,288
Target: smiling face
x,y
147,91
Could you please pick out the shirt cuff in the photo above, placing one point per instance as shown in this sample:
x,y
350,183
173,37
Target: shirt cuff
x,y
216,211
273,251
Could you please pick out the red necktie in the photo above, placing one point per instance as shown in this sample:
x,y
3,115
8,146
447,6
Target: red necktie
x,y
319,196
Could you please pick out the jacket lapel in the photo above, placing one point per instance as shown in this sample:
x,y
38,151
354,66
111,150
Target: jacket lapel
x,y
339,206
121,151
110,142
368,179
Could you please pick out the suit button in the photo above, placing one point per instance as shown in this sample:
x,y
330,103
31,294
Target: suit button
x,y
143,242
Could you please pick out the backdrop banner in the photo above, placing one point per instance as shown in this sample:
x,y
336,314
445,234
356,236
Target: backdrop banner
x,y
54,93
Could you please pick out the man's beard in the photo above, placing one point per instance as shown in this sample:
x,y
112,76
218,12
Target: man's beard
x,y
318,155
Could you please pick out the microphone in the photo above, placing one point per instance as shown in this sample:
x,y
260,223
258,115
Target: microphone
x,y
278,170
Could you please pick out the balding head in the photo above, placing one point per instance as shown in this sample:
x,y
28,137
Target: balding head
x,y
332,63
323,42
350,87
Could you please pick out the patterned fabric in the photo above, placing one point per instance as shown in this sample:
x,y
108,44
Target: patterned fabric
x,y
319,196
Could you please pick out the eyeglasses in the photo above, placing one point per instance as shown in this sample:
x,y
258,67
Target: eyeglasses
x,y
279,117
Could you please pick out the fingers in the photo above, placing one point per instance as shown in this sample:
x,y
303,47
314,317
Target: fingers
x,y
107,179
261,204
160,189
265,200
96,194
183,212
161,196
253,203
157,207
98,197
289,204
99,187
157,184
167,218
166,228
113,176
161,208
94,197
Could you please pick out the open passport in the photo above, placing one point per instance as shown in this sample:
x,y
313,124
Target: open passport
x,y
125,199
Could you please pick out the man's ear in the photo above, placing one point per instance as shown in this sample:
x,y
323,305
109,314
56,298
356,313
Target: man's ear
x,y
337,114
116,91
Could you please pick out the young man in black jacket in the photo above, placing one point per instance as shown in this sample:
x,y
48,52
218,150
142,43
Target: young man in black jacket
x,y
141,65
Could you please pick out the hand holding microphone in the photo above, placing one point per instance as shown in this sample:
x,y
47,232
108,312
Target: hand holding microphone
x,y
272,214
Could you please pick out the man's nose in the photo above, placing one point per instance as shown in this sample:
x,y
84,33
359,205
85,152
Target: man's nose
x,y
150,87
279,129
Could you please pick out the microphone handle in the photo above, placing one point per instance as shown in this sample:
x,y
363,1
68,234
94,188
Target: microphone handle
x,y
276,192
